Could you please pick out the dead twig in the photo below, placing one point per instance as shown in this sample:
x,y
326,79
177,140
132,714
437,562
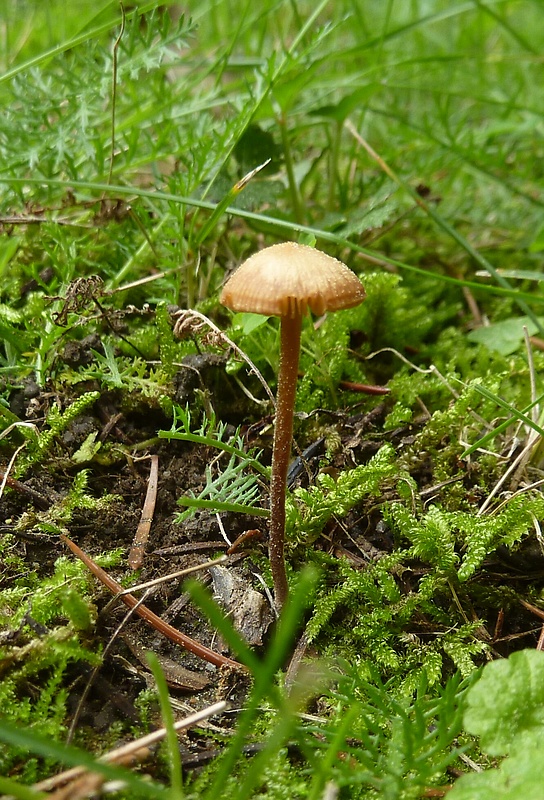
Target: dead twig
x,y
152,619
533,609
536,342
190,547
134,750
363,388
472,304
253,534
173,575
136,555
37,498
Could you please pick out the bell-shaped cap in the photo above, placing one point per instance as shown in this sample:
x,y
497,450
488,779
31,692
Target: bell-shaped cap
x,y
286,279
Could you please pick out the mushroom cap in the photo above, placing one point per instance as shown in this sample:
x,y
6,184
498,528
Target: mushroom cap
x,y
287,279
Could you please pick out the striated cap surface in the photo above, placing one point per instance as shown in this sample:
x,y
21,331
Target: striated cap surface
x,y
288,279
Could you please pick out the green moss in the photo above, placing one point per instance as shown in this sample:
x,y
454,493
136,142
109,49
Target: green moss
x,y
313,507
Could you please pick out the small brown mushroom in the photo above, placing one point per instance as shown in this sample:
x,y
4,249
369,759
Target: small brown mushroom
x,y
286,280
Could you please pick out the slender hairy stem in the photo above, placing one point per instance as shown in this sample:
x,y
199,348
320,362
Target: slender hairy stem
x,y
283,435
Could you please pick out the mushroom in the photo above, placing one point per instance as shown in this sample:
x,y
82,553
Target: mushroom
x,y
285,280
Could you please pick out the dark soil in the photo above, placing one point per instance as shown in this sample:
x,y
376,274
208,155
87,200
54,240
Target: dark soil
x,y
361,538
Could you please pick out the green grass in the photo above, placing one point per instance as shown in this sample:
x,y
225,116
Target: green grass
x,y
404,138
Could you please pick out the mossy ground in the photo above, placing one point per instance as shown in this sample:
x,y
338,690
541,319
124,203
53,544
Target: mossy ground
x,y
418,497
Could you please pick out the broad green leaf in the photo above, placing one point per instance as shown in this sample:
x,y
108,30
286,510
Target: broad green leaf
x,y
249,322
505,708
505,337
517,778
508,702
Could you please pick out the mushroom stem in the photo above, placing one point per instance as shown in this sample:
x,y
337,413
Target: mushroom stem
x,y
283,434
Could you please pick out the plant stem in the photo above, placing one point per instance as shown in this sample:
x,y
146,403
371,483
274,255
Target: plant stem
x,y
283,435
298,210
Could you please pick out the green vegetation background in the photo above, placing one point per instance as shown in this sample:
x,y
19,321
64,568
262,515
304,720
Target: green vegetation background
x,y
404,137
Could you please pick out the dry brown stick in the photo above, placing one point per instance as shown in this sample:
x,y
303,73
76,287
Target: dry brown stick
x,y
472,304
190,547
87,785
538,612
127,751
536,342
364,388
37,498
252,534
156,622
173,575
136,555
